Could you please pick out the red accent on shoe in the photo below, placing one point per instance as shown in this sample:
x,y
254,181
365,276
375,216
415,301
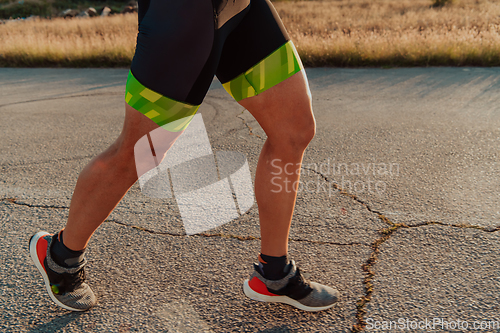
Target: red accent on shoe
x,y
259,287
41,250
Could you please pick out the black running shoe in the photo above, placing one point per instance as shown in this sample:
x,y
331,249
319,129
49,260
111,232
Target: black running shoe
x,y
293,289
66,286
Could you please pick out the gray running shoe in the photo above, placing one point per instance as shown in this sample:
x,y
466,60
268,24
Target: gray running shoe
x,y
293,289
66,286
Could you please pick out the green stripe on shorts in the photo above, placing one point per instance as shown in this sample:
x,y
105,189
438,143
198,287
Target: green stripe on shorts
x,y
172,115
275,68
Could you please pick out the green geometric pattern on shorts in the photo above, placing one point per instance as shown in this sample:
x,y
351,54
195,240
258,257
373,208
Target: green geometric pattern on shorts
x,y
275,68
172,115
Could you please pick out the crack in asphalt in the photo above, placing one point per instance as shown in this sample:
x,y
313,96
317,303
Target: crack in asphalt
x,y
372,259
327,243
222,235
369,275
352,196
203,234
367,267
20,203
386,233
464,225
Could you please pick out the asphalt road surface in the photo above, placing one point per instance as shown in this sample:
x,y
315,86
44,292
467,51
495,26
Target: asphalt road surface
x,y
399,208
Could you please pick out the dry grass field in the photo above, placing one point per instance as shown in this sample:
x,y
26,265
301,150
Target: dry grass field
x,y
326,33
395,33
91,42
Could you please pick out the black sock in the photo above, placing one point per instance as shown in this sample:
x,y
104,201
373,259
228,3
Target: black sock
x,y
64,256
273,267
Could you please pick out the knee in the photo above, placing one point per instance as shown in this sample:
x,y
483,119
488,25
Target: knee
x,y
307,131
299,128
119,159
300,137
296,134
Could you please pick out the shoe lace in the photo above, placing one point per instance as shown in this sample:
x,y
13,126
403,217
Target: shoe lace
x,y
300,282
76,279
297,287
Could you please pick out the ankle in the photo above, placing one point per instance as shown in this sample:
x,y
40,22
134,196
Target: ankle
x,y
273,268
64,256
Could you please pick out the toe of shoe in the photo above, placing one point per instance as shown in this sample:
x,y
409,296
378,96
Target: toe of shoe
x,y
81,299
88,300
321,296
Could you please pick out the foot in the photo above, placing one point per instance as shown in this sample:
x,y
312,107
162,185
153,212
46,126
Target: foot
x,y
66,286
293,289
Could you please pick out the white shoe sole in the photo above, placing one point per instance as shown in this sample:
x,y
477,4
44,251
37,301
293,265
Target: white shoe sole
x,y
34,257
250,293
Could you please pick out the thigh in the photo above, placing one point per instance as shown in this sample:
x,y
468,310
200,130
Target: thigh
x,y
258,54
261,69
172,66
169,76
173,45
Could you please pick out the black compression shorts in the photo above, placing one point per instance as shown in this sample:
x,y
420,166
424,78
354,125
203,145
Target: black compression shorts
x,y
182,44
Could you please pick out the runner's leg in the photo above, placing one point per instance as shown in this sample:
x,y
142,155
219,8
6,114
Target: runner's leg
x,y
169,77
170,74
107,178
284,112
269,81
261,69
